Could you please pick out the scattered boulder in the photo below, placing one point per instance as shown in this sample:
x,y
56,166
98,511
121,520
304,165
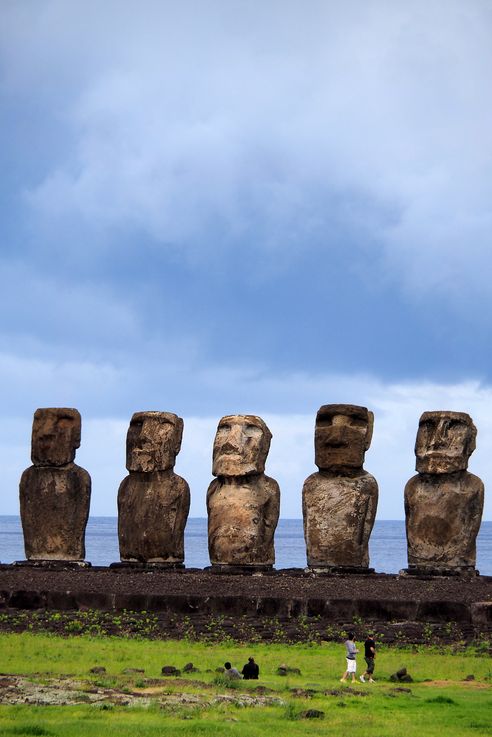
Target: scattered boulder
x,y
401,689
220,669
170,670
401,676
263,690
190,668
303,693
470,677
312,714
98,670
284,670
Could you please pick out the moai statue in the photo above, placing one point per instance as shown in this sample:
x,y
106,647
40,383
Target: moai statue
x,y
153,501
339,502
54,492
243,503
443,502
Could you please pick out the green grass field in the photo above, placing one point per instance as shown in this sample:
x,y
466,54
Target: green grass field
x,y
439,699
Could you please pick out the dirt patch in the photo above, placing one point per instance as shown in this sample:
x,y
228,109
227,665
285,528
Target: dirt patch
x,y
477,685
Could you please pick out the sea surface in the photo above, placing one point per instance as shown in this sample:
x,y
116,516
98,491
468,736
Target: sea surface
x,y
387,545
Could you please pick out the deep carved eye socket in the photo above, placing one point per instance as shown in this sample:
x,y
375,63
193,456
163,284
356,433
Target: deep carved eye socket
x,y
252,431
223,428
357,422
324,421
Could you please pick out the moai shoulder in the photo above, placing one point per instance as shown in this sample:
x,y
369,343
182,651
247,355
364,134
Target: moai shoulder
x,y
153,501
340,500
243,504
443,502
55,492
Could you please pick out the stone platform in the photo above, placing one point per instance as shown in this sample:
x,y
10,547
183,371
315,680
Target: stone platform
x,y
283,594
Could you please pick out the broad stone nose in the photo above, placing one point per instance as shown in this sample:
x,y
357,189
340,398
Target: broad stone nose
x,y
146,434
234,439
439,438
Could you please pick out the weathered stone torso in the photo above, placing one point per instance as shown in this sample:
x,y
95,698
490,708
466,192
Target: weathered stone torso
x,y
54,506
242,517
443,514
339,514
152,513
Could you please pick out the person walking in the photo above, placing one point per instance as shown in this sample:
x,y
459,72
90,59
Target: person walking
x,y
351,652
369,655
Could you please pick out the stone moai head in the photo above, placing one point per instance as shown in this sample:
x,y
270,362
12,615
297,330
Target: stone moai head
x,y
445,441
342,435
153,441
241,446
55,436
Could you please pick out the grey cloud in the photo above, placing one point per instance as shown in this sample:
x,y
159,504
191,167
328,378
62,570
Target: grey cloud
x,y
248,122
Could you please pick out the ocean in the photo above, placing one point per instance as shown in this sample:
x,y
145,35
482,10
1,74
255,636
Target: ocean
x,y
387,545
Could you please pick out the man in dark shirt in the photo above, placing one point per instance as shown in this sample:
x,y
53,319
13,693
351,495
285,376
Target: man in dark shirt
x,y
369,655
250,671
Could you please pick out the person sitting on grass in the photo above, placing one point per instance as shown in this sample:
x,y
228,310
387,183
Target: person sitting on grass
x,y
351,653
251,671
369,655
231,672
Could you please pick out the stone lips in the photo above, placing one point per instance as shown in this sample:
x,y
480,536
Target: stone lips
x,y
55,436
339,502
445,441
153,501
153,441
443,502
241,446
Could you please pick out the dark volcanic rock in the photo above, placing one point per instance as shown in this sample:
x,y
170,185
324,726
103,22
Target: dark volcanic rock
x,y
312,714
170,670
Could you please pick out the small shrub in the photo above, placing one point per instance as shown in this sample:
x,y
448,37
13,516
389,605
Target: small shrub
x,y
441,700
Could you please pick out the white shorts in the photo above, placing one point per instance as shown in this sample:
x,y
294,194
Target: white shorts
x,y
351,666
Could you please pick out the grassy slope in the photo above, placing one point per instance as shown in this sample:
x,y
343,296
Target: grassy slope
x,y
383,712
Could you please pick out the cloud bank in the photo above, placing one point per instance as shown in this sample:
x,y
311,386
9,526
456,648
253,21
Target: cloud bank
x,y
280,126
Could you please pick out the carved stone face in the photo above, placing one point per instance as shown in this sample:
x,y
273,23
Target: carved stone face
x,y
55,436
153,441
342,435
241,446
445,441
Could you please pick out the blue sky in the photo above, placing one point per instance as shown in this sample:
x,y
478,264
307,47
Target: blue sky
x,y
220,207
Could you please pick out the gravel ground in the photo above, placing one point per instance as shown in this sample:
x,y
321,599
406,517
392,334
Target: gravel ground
x,y
287,584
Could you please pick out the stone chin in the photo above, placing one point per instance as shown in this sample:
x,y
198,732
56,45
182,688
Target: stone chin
x,y
326,460
441,463
234,465
145,462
